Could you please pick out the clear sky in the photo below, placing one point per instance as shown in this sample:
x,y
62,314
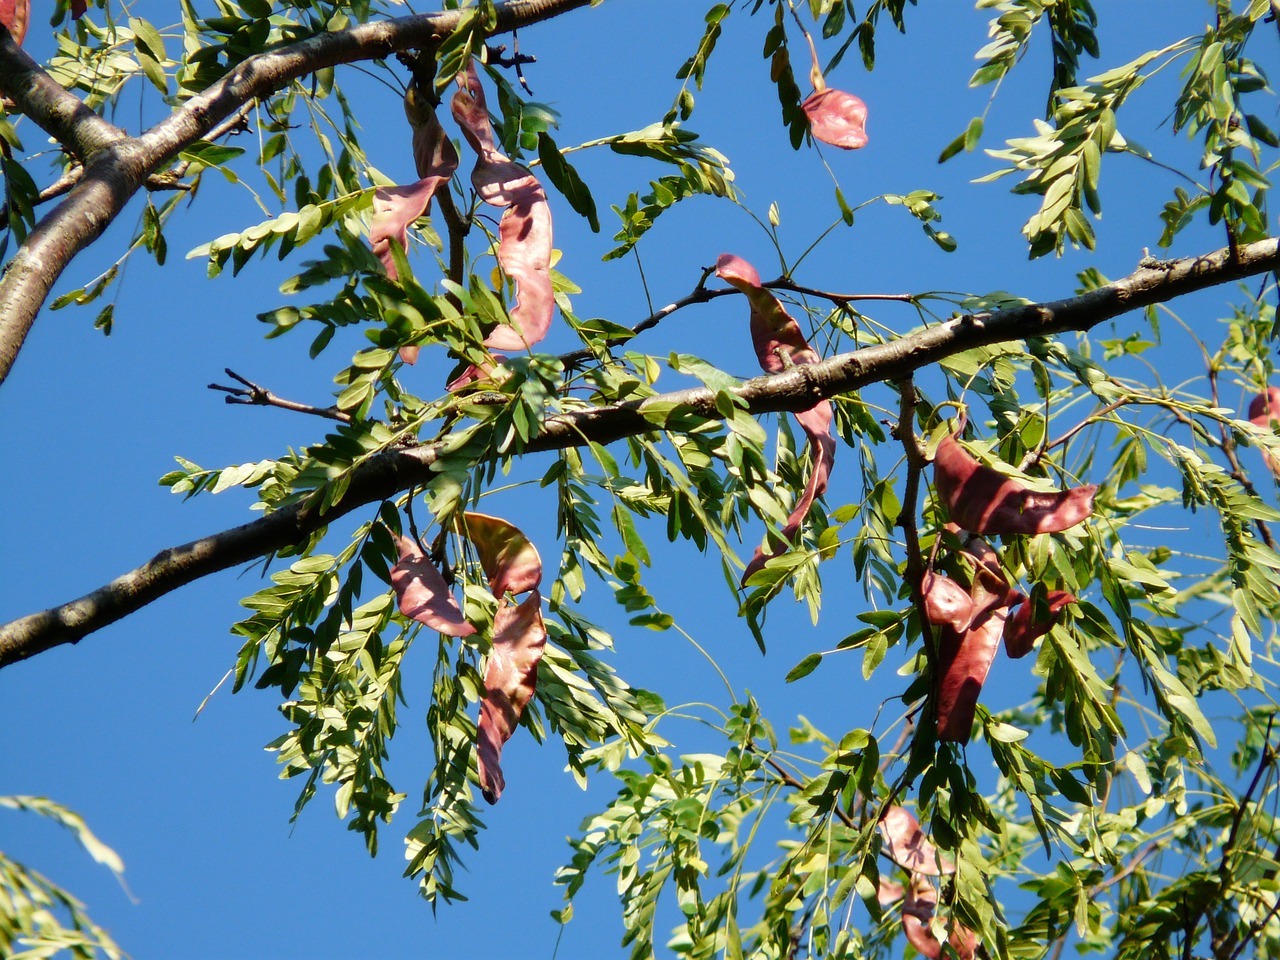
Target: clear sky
x,y
214,868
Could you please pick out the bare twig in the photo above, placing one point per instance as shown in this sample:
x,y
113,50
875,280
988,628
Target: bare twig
x,y
251,394
1254,927
784,283
1237,470
497,57
1034,456
1134,863
699,294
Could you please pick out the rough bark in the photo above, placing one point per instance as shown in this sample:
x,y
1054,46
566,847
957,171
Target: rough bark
x,y
795,389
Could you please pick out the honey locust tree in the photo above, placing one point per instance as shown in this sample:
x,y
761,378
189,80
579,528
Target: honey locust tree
x,y
1070,492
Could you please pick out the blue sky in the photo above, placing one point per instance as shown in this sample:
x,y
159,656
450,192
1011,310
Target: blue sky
x,y
90,423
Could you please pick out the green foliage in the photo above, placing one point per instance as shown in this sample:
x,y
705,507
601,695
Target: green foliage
x,y
1129,792
37,917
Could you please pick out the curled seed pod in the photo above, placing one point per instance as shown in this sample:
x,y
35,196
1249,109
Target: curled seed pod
x,y
423,594
984,501
779,344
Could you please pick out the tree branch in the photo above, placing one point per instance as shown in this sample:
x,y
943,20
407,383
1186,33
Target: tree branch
x,y
799,388
56,111
116,165
255,395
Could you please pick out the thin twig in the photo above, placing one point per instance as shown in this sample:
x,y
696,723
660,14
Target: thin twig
x,y
787,778
1253,932
916,463
699,294
254,395
1034,456
1265,761
1237,469
496,57
1134,863
785,283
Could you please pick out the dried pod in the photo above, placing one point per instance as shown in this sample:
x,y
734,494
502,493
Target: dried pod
x,y
15,15
1264,409
946,602
1025,626
964,659
510,679
423,594
511,563
780,344
917,913
396,208
837,118
907,845
984,501
524,232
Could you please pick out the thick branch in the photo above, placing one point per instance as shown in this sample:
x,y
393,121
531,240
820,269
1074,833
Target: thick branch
x,y
56,111
117,166
267,72
795,389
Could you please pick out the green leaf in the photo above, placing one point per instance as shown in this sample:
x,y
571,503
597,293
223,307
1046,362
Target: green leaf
x,y
566,179
804,667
